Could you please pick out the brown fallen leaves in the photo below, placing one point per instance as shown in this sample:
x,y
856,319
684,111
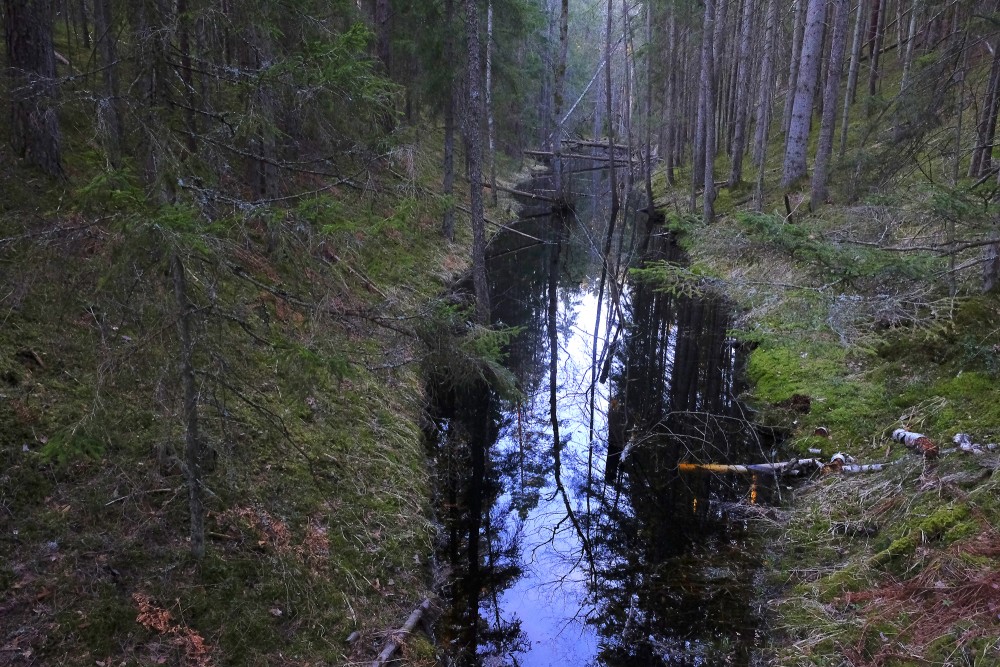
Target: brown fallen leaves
x,y
197,653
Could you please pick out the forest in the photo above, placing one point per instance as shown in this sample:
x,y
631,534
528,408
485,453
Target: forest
x,y
288,290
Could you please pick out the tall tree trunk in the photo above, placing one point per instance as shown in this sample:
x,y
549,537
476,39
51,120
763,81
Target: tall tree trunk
x,y
31,67
383,43
879,11
149,28
824,59
698,146
263,168
648,110
609,111
743,61
841,9
627,98
670,97
708,88
557,99
548,70
490,125
911,37
805,92
852,73
474,139
187,74
763,116
793,63
448,186
192,441
986,127
606,250
84,28
991,265
108,107
719,34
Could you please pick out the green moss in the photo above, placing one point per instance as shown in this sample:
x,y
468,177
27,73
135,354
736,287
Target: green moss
x,y
109,617
945,524
852,578
902,546
847,403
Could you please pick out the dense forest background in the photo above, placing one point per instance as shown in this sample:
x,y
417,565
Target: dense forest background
x,y
229,235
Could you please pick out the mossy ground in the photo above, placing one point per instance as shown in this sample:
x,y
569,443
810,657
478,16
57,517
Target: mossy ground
x,y
897,567
307,351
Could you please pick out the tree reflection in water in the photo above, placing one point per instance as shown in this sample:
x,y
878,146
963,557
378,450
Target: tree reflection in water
x,y
660,570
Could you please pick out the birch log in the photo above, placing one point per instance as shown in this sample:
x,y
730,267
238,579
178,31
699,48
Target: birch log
x,y
916,441
395,639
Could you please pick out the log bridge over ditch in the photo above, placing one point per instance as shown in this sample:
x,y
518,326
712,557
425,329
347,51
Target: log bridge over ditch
x,y
574,150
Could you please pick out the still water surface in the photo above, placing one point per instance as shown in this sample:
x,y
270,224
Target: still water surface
x,y
571,536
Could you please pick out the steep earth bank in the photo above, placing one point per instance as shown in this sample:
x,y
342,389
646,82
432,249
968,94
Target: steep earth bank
x,y
852,338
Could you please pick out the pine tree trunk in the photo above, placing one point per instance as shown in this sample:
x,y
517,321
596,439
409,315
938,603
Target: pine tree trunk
x,y
545,90
84,28
986,128
383,44
148,28
701,118
448,186
824,59
852,74
490,124
793,63
648,120
805,93
108,108
473,132
263,167
991,265
743,61
762,118
911,37
719,42
841,9
879,11
31,68
192,441
557,99
670,97
708,92
627,97
609,111
186,74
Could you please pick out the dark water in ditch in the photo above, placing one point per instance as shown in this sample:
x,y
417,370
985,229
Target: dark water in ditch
x,y
571,537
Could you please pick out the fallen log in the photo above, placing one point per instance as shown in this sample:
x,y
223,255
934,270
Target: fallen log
x,y
595,144
396,637
521,193
786,467
918,442
839,463
576,156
